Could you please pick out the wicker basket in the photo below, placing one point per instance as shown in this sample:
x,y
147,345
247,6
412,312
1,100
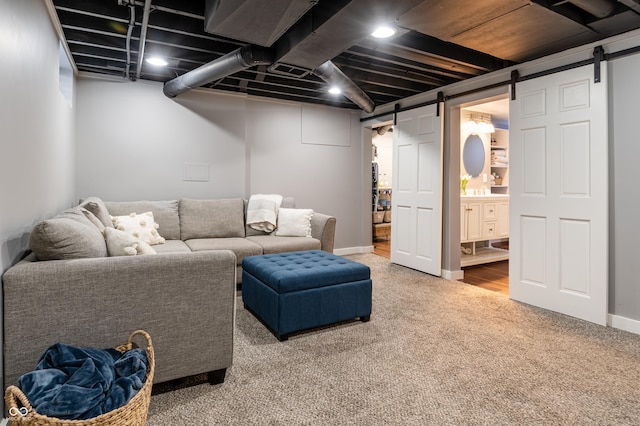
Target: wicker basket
x,y
134,413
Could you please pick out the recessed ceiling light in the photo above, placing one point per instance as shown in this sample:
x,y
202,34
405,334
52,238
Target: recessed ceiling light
x,y
335,90
384,31
157,61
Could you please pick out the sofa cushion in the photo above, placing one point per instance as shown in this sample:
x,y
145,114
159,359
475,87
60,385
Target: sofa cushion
x,y
240,246
96,206
121,243
63,237
165,213
172,246
140,225
211,218
294,223
273,244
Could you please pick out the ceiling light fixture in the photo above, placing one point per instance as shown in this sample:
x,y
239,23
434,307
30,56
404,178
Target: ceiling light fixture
x,y
383,31
157,61
335,90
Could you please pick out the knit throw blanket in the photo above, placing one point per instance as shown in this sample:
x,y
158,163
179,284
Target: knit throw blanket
x,y
262,212
82,383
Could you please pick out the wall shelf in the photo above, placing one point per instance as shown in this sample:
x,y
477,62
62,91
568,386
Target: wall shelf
x,y
501,138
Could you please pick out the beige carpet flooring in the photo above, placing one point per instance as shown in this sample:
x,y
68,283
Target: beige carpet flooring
x,y
435,352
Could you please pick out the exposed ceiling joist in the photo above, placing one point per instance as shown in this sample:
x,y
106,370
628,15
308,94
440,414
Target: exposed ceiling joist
x,y
438,41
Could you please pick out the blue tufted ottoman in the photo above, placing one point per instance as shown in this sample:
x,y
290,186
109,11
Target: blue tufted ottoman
x,y
300,290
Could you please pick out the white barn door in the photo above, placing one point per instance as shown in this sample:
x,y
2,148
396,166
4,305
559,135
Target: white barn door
x,y
559,194
416,233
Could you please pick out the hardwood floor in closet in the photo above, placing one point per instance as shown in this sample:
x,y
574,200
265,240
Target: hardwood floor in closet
x,y
491,276
382,248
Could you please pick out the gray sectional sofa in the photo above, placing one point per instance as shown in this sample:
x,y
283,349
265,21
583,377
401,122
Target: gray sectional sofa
x,y
184,295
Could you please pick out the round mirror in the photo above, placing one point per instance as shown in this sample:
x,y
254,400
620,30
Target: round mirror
x,y
473,155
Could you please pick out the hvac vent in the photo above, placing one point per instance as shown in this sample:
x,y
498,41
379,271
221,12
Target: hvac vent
x,y
254,21
290,70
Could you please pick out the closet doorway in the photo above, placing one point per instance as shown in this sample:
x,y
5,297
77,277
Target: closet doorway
x,y
381,181
484,194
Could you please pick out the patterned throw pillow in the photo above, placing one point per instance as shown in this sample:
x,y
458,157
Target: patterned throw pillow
x,y
140,225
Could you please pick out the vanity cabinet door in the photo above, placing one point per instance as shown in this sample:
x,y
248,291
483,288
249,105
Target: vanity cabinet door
x,y
470,214
463,222
502,215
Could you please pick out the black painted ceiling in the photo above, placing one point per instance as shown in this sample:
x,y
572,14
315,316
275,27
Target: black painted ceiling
x,y
439,42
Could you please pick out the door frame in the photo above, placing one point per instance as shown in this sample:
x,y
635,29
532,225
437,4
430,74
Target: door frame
x,y
367,151
450,262
451,268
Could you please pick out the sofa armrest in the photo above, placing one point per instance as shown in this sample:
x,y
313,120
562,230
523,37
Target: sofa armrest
x,y
185,301
323,228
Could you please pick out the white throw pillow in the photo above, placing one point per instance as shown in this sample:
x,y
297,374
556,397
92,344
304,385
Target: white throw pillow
x,y
140,225
294,222
121,243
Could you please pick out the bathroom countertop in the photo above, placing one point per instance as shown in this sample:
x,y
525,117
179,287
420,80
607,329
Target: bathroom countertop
x,y
486,196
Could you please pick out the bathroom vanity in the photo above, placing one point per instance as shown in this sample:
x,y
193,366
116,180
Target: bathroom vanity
x,y
484,221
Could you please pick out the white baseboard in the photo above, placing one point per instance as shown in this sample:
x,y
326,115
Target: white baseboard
x,y
622,323
351,250
446,274
452,275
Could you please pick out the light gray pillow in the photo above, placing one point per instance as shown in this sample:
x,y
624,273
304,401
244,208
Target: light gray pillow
x,y
94,220
96,206
66,238
211,218
84,216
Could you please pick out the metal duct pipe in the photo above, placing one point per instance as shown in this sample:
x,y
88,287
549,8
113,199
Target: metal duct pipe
x,y
143,35
598,8
330,73
231,63
384,129
132,24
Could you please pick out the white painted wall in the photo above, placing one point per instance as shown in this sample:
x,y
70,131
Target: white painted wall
x,y
36,128
624,212
326,178
133,143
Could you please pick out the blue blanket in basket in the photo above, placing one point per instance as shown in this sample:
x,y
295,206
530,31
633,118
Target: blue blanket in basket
x,y
82,383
